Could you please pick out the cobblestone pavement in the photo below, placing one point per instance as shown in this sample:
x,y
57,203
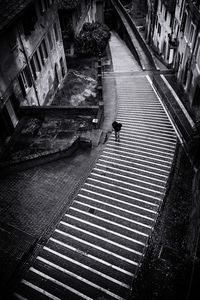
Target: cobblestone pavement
x,y
32,201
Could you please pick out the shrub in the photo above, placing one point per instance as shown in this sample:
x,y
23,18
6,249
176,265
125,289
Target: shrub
x,y
92,39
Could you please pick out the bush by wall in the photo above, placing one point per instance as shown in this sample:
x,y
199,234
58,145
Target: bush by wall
x,y
92,40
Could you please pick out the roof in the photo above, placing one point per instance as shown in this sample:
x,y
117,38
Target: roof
x,y
10,9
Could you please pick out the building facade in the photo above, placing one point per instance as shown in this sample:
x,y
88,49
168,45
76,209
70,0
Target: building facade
x,y
163,36
188,59
32,59
174,31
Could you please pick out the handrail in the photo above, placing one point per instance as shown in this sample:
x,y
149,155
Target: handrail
x,y
186,134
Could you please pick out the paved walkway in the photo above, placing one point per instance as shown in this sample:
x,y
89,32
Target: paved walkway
x,y
121,56
98,246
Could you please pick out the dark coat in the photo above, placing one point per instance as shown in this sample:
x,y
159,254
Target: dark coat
x,y
116,126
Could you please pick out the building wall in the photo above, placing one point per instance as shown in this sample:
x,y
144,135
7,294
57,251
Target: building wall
x,y
32,62
176,36
162,31
30,59
189,56
46,26
163,34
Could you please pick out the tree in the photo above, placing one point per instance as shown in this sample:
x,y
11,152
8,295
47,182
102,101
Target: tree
x,y
92,39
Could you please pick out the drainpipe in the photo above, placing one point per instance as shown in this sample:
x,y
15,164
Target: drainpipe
x,y
27,62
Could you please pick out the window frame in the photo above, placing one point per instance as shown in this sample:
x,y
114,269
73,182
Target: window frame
x,y
55,29
191,34
43,51
159,29
25,81
50,39
35,65
166,13
62,67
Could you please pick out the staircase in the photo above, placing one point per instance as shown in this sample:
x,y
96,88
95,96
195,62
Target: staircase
x,y
99,244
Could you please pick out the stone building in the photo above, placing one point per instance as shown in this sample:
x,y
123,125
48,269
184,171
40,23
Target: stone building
x,y
163,36
32,59
188,57
174,31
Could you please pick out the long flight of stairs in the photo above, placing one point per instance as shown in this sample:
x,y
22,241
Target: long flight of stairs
x,y
99,244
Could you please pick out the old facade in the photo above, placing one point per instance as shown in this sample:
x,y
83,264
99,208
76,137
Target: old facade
x,y
188,59
32,60
163,35
176,37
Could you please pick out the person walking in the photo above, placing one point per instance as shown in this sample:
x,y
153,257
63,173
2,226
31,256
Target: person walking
x,y
117,127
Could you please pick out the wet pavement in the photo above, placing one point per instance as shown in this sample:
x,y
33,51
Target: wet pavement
x,y
33,202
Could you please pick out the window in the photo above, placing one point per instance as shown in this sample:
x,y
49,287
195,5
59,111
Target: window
x,y
55,31
156,21
171,20
43,51
187,26
35,65
177,30
159,29
185,75
192,36
183,22
25,80
41,54
181,10
165,14
62,67
164,49
181,60
168,53
196,100
197,49
198,58
50,39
